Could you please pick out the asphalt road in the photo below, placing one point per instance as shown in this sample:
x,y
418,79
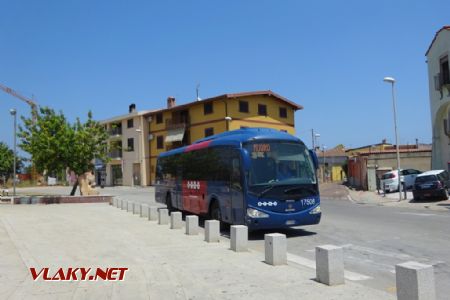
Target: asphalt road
x,y
375,239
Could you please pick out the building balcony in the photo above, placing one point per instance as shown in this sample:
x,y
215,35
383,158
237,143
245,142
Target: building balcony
x,y
177,123
115,131
115,154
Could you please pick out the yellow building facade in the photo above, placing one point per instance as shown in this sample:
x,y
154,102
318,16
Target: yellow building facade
x,y
179,125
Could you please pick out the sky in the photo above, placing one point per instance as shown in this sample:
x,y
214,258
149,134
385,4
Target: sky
x,y
328,56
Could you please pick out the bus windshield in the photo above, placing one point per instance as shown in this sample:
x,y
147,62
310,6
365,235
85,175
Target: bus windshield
x,y
279,163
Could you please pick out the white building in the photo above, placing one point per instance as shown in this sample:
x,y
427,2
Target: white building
x,y
128,144
439,84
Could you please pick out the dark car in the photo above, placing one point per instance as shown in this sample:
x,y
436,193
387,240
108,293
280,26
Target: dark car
x,y
432,184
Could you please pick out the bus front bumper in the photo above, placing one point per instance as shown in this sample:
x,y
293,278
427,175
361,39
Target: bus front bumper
x,y
283,220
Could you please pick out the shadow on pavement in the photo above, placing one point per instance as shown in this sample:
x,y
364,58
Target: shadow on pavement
x,y
259,234
425,201
289,232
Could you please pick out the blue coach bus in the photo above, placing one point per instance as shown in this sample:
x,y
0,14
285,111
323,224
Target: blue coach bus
x,y
259,177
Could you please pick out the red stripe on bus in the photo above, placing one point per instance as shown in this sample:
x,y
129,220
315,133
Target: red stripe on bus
x,y
198,146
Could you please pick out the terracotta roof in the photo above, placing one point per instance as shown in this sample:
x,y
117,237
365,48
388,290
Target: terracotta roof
x,y
394,151
447,27
237,95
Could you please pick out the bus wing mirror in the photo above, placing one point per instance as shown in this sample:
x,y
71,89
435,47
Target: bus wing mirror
x,y
314,158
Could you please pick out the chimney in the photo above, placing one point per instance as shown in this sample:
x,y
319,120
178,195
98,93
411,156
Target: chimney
x,y
417,143
171,102
132,108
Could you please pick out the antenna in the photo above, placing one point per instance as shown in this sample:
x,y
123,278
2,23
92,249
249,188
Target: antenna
x,y
197,89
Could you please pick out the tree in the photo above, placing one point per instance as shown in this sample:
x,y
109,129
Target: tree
x,y
55,144
7,161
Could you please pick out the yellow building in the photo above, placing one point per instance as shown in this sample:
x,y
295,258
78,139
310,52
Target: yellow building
x,y
180,125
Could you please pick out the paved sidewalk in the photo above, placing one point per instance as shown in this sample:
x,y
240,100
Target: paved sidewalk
x,y
339,191
392,199
163,263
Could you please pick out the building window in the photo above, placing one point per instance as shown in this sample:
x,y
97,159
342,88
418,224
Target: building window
x,y
243,106
130,144
208,108
209,131
159,118
130,123
262,110
283,112
160,142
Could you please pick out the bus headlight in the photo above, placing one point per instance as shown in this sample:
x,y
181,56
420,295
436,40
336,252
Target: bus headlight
x,y
254,213
316,210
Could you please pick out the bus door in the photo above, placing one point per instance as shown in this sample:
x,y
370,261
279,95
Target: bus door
x,y
236,190
178,190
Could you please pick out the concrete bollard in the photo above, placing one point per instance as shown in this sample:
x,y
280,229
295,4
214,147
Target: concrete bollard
x,y
153,214
239,238
163,216
136,208
415,281
114,202
330,265
119,203
124,205
176,220
212,231
143,210
275,249
191,225
130,206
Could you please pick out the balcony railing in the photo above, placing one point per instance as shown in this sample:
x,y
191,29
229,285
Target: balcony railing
x,y
115,154
116,131
176,123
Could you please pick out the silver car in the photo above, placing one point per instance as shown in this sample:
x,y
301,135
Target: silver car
x,y
389,180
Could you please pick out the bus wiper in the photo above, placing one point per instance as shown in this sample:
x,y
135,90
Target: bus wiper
x,y
265,191
286,191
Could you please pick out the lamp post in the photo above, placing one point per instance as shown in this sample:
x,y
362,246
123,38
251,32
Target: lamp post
x,y
316,138
392,82
139,131
13,113
324,164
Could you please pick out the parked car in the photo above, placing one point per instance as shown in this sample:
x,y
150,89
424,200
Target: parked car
x,y
389,180
432,184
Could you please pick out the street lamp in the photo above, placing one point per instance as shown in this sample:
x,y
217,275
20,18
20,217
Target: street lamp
x,y
316,138
324,163
13,113
392,82
139,131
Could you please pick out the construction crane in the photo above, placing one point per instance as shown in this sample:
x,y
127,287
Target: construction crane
x,y
15,94
34,112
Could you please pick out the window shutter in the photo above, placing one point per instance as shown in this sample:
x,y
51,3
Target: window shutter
x,y
437,81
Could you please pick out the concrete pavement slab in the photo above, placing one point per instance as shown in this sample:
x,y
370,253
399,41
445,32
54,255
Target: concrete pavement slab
x,y
163,263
